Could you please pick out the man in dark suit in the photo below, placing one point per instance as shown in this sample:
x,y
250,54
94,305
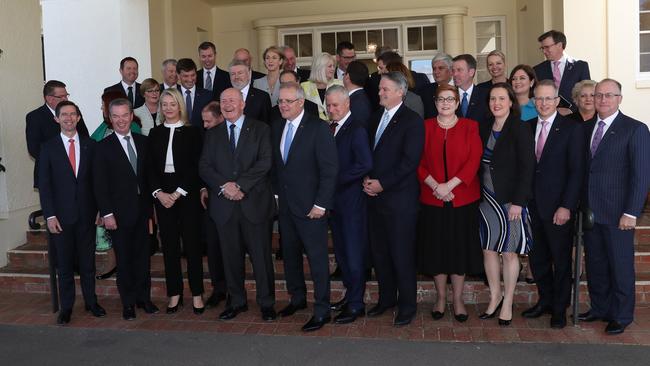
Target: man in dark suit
x,y
473,101
235,163
258,102
344,55
559,144
561,68
441,65
348,217
128,84
210,77
305,169
195,98
121,191
617,183
40,123
69,207
290,64
397,138
170,77
244,55
354,80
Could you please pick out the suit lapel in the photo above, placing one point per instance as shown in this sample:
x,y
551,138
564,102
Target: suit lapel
x,y
243,135
556,128
83,158
390,127
68,167
609,134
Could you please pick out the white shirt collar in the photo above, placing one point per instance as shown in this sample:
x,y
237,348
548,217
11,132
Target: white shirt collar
x,y
213,70
66,138
549,119
608,121
51,110
126,86
342,122
183,89
297,120
174,125
392,111
354,91
468,91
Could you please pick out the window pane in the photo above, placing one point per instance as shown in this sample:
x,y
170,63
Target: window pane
x,y
484,29
359,40
414,38
645,43
645,63
644,21
328,44
374,36
482,75
304,45
423,66
485,45
430,37
291,40
342,36
390,38
644,4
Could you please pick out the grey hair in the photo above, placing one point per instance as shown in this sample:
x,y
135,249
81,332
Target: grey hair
x,y
575,92
549,83
236,62
441,56
318,66
169,61
300,92
340,89
398,78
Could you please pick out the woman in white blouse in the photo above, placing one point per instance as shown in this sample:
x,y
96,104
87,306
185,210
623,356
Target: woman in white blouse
x,y
273,61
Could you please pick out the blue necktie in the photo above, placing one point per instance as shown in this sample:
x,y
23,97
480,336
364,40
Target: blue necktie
x,y
188,103
464,105
382,126
287,141
232,137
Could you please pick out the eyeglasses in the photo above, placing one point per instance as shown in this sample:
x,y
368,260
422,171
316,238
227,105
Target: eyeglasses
x,y
543,100
447,100
287,101
606,95
545,48
60,96
152,91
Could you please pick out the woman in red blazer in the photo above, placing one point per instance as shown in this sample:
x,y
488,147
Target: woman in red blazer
x,y
448,235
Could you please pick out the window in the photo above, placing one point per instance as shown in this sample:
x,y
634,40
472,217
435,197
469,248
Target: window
x,y
490,36
300,42
366,37
644,35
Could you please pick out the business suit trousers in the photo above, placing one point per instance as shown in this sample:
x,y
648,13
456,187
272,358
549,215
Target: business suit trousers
x,y
75,244
392,245
132,254
310,234
349,233
550,261
215,260
609,259
238,236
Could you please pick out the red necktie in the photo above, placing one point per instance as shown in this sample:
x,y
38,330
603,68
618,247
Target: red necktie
x,y
333,126
73,157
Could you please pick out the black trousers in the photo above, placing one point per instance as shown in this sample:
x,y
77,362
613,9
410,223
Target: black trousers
x,y
550,262
215,259
75,244
131,247
299,233
238,236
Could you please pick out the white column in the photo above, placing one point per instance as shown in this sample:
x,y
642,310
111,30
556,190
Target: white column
x,y
266,36
453,34
84,42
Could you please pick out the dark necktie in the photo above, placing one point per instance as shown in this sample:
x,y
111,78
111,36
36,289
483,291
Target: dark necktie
x,y
464,104
133,159
233,145
208,81
597,138
129,95
188,103
333,126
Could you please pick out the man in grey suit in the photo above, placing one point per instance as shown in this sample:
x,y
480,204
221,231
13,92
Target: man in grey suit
x,y
235,162
617,183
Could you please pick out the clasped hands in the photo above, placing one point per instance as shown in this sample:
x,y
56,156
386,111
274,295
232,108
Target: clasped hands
x,y
443,192
167,199
372,187
231,191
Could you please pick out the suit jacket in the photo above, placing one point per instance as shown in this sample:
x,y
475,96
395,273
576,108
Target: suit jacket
x,y
220,82
258,105
68,197
201,99
40,127
355,162
303,74
478,105
256,75
574,71
249,167
118,189
360,107
309,176
186,150
560,170
617,179
395,160
310,108
513,161
146,120
139,98
427,94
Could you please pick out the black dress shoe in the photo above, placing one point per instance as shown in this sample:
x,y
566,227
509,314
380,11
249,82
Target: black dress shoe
x,y
106,275
128,313
348,315
504,322
198,311
588,317
232,311
338,306
269,314
615,327
174,309
291,309
403,319
96,310
536,311
64,317
214,299
315,323
461,317
558,321
492,314
437,315
378,309
336,275
148,307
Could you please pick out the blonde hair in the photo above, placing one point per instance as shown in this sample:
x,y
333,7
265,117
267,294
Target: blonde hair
x,y
174,93
318,66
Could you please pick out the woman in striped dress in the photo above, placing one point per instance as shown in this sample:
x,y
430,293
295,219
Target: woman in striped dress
x,y
506,179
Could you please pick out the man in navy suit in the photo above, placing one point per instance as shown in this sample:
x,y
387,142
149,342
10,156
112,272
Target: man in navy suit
x,y
354,80
125,205
348,217
128,84
210,77
559,67
473,101
69,207
40,123
195,98
397,139
559,171
305,169
617,183
258,102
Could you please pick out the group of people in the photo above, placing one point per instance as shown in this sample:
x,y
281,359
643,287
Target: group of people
x,y
445,179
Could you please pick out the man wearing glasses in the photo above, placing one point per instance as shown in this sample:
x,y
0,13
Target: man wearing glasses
x,y
41,125
344,55
560,67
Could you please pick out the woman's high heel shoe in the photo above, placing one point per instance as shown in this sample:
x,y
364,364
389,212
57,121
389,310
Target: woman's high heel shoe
x,y
174,309
198,311
504,323
491,315
106,275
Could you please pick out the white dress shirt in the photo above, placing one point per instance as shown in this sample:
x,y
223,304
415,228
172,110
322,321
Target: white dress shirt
x,y
77,149
126,86
538,129
342,122
469,92
213,71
